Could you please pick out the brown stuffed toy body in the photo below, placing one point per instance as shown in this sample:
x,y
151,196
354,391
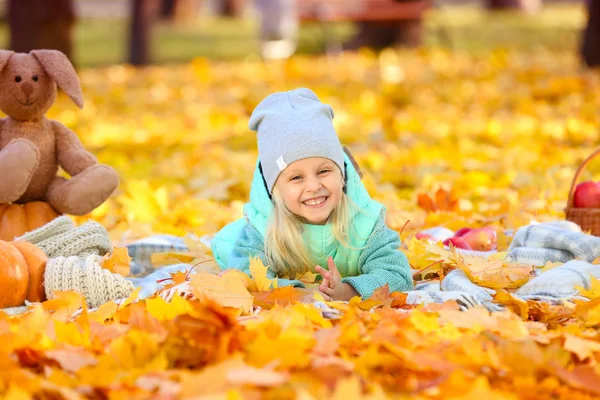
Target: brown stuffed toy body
x,y
32,147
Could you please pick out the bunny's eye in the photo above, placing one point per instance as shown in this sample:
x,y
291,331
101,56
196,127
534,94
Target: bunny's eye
x,y
35,78
17,79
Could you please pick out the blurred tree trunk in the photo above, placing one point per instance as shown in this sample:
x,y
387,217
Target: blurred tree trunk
x,y
179,10
143,14
41,24
526,5
231,8
379,35
591,37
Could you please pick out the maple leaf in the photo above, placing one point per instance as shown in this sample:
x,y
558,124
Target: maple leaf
x,y
426,202
379,298
179,277
425,258
589,312
398,299
445,200
213,378
279,296
104,312
131,298
163,311
118,261
519,306
307,277
494,274
258,271
72,359
327,341
64,304
583,348
593,292
227,289
581,377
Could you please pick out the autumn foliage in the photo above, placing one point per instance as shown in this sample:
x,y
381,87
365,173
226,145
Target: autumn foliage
x,y
443,138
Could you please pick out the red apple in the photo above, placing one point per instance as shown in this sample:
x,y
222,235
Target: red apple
x,y
457,242
462,232
482,239
587,195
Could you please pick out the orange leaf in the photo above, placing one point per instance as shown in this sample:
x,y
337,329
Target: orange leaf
x,y
518,306
445,201
104,312
179,277
227,289
72,359
118,261
583,348
398,299
64,304
380,297
425,202
494,274
248,375
581,377
281,296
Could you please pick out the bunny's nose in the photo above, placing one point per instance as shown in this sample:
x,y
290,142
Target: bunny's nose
x,y
27,88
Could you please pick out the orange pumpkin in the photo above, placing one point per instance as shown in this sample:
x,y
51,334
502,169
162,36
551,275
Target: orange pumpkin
x,y
17,219
22,268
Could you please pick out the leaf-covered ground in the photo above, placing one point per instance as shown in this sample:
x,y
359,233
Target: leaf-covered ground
x,y
502,132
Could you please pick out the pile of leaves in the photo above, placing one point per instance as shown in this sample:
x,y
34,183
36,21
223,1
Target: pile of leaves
x,y
500,134
278,347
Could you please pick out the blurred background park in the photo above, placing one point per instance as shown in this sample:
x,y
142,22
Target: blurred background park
x,y
101,32
495,101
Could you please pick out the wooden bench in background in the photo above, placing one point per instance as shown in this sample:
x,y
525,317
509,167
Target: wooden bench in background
x,y
382,23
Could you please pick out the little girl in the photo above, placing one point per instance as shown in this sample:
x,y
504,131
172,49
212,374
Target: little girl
x,y
309,209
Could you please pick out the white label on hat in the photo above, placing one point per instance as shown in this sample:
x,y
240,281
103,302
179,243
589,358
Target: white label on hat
x,y
281,164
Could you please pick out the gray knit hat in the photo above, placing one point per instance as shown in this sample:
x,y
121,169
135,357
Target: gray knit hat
x,y
292,126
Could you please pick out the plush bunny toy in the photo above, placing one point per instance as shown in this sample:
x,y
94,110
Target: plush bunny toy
x,y
32,147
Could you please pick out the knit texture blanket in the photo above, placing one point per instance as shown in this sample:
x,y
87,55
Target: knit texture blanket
x,y
74,262
555,286
554,241
86,277
538,244
60,237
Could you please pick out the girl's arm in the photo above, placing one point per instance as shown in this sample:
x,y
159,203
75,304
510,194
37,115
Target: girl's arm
x,y
381,262
250,244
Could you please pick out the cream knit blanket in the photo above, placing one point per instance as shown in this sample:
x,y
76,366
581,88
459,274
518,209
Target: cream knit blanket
x,y
75,261
60,237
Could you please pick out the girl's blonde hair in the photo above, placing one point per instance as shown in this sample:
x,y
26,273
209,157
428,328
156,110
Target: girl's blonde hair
x,y
284,246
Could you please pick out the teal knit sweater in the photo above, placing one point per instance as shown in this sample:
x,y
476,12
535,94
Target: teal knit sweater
x,y
380,262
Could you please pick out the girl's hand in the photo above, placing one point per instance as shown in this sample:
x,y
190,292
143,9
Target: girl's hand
x,y
332,282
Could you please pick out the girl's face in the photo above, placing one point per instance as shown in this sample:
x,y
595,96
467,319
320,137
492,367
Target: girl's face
x,y
311,188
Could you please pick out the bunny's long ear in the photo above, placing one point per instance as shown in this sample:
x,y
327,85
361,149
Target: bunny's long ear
x,y
60,69
5,55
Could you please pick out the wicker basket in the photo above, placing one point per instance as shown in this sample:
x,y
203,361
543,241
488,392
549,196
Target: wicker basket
x,y
587,218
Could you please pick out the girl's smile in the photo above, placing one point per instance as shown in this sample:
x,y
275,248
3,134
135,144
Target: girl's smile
x,y
315,202
311,188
